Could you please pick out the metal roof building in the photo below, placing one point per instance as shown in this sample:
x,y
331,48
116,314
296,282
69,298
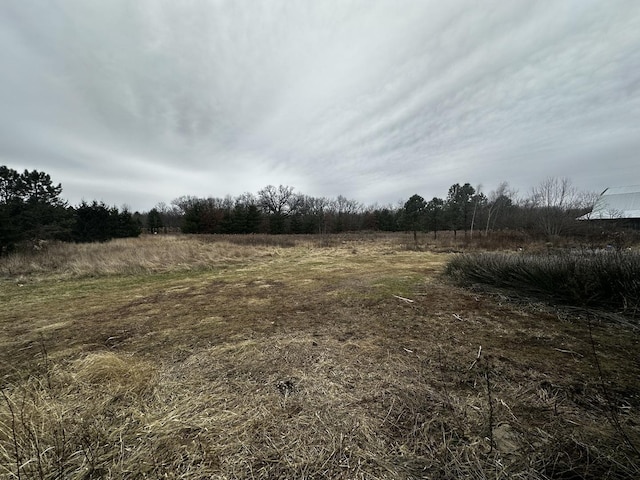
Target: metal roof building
x,y
618,203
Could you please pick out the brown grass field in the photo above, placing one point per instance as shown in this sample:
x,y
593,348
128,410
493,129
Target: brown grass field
x,y
300,357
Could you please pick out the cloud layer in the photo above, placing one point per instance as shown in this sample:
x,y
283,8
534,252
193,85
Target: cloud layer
x,y
140,102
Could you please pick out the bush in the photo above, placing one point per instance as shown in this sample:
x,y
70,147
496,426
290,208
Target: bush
x,y
595,279
97,222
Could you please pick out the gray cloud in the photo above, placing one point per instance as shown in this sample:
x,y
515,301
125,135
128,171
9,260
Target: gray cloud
x,y
140,102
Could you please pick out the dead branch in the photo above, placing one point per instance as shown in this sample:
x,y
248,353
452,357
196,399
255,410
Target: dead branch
x,y
408,300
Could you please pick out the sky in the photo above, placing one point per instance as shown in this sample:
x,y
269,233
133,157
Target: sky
x,y
139,102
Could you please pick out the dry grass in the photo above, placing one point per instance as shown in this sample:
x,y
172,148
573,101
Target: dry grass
x,y
147,254
606,280
301,361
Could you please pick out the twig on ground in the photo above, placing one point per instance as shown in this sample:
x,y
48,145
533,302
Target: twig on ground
x,y
408,300
568,351
477,358
490,402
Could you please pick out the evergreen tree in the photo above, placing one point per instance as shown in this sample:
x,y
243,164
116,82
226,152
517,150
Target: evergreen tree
x,y
434,213
459,207
192,218
91,222
96,222
238,222
30,208
254,219
154,221
127,225
413,215
386,220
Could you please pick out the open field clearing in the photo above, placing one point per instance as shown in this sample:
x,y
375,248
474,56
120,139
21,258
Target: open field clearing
x,y
308,357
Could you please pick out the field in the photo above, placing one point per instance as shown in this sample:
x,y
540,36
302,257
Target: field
x,y
300,357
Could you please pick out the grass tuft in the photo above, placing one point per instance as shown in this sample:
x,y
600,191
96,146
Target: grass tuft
x,y
117,373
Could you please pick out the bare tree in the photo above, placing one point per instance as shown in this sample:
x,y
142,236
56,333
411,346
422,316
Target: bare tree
x,y
276,201
499,199
588,202
247,199
478,199
553,199
554,192
345,206
183,203
171,215
345,212
313,210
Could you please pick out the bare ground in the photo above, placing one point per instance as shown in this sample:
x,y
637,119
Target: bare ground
x,y
340,359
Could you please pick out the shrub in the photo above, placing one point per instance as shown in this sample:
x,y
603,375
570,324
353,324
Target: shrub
x,y
607,280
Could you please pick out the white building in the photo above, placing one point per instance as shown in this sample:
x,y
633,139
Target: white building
x,y
617,204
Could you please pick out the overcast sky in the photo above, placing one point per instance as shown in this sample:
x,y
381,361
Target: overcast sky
x,y
140,101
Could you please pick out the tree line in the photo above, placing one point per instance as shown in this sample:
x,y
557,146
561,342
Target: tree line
x,y
31,210
550,209
274,210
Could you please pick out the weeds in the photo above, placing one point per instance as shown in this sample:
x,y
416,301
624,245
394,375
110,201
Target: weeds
x,y
592,279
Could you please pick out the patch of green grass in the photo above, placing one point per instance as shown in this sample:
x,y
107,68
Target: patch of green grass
x,y
404,285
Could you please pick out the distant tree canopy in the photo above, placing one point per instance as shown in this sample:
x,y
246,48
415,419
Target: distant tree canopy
x,y
551,208
31,210
278,210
